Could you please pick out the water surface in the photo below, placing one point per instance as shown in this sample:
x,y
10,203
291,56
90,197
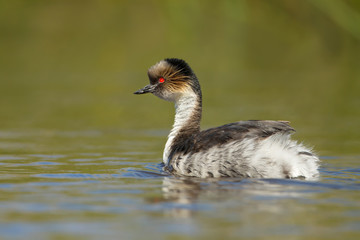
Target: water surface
x,y
92,186
80,154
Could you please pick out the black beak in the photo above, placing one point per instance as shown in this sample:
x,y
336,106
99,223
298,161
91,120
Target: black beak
x,y
146,89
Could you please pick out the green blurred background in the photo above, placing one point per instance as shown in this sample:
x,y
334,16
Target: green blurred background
x,y
70,65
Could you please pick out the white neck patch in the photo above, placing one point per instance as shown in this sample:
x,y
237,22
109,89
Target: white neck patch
x,y
184,108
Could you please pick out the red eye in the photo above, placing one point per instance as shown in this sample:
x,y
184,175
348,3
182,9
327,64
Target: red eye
x,y
161,80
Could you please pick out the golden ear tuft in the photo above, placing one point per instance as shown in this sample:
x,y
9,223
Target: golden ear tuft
x,y
177,86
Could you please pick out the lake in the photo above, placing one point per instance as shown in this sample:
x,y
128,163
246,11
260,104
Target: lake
x,y
80,154
94,184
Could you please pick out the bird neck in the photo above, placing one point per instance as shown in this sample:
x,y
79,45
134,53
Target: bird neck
x,y
187,122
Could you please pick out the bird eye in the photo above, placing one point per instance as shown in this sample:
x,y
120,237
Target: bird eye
x,y
161,80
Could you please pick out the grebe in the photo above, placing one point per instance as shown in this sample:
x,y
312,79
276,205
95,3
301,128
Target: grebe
x,y
253,149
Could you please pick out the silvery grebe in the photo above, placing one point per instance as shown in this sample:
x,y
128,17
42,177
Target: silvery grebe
x,y
255,149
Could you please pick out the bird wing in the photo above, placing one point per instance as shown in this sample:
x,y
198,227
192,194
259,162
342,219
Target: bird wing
x,y
239,131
